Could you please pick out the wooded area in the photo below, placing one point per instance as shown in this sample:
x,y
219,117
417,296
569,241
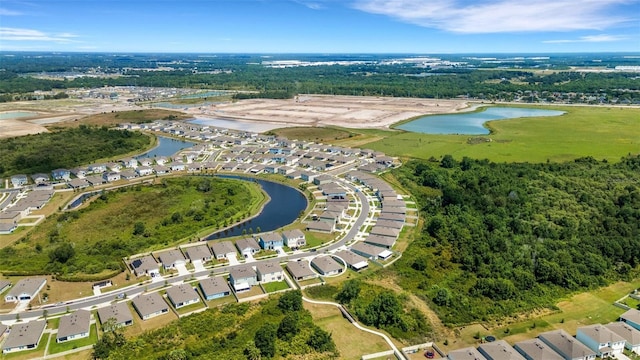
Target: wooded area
x,y
66,149
505,238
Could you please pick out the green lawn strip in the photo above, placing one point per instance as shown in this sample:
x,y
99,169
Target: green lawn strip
x,y
55,347
220,301
616,132
275,286
190,308
316,239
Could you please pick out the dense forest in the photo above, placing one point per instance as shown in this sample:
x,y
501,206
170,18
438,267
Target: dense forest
x,y
371,75
66,148
274,328
91,242
504,238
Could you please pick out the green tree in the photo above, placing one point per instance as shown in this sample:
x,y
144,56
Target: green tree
x,y
321,340
288,327
138,228
112,338
350,290
290,301
62,253
265,340
251,351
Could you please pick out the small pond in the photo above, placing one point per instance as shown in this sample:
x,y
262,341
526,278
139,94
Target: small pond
x,y
471,123
16,114
166,147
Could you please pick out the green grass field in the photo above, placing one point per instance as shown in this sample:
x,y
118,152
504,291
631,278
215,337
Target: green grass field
x,y
601,132
55,347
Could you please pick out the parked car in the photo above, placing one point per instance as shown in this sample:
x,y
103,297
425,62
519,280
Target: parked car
x,y
429,354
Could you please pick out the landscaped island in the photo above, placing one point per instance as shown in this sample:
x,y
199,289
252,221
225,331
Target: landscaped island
x,y
91,243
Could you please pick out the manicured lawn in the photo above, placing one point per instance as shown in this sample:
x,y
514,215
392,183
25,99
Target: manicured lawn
x,y
275,286
316,134
221,301
190,308
140,326
255,290
310,282
616,131
315,239
55,347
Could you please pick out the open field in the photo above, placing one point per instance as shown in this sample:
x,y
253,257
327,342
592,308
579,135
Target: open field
x,y
351,342
600,132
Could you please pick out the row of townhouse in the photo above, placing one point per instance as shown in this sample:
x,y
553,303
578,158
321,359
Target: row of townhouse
x,y
220,250
591,341
20,206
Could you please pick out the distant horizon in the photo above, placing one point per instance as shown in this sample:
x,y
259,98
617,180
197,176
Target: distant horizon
x,y
321,26
632,54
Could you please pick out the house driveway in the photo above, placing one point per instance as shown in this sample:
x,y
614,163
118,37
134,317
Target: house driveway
x,y
198,265
182,269
232,259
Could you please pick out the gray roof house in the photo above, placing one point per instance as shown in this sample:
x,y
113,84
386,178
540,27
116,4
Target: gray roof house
x,y
469,353
294,238
269,271
352,260
150,305
25,290
74,326
24,336
119,312
223,249
326,265
384,231
171,258
300,270
603,341
320,226
197,253
630,335
535,349
370,251
499,350
632,317
247,246
567,346
145,265
386,242
242,278
214,288
182,295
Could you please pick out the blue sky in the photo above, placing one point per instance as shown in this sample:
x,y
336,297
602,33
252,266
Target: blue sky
x,y
321,26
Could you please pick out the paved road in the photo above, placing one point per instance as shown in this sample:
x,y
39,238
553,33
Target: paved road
x,y
135,290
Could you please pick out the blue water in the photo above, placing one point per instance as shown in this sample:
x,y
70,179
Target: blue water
x,y
16,114
470,123
204,95
284,207
166,147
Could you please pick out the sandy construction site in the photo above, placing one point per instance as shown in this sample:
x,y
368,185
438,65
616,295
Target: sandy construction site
x,y
327,110
304,110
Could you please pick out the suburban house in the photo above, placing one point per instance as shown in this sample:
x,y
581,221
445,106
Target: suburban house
x,y
145,265
535,349
19,180
384,231
197,253
243,278
247,246
97,168
150,305
320,226
270,241
629,334
389,224
499,350
182,295
214,288
24,336
567,346
111,176
78,183
171,258
326,265
74,326
469,353
269,271
603,341
25,290
352,260
370,251
385,215
61,174
119,312
40,178
223,249
294,238
386,242
632,317
144,170
300,270
9,222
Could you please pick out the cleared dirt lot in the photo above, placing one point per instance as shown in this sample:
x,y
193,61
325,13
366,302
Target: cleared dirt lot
x,y
327,110
304,110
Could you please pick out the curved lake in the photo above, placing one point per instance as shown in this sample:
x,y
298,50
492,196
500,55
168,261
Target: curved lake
x,y
471,123
284,208
166,147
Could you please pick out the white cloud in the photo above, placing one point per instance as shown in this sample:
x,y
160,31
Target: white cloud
x,y
589,39
7,12
496,16
313,5
17,34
